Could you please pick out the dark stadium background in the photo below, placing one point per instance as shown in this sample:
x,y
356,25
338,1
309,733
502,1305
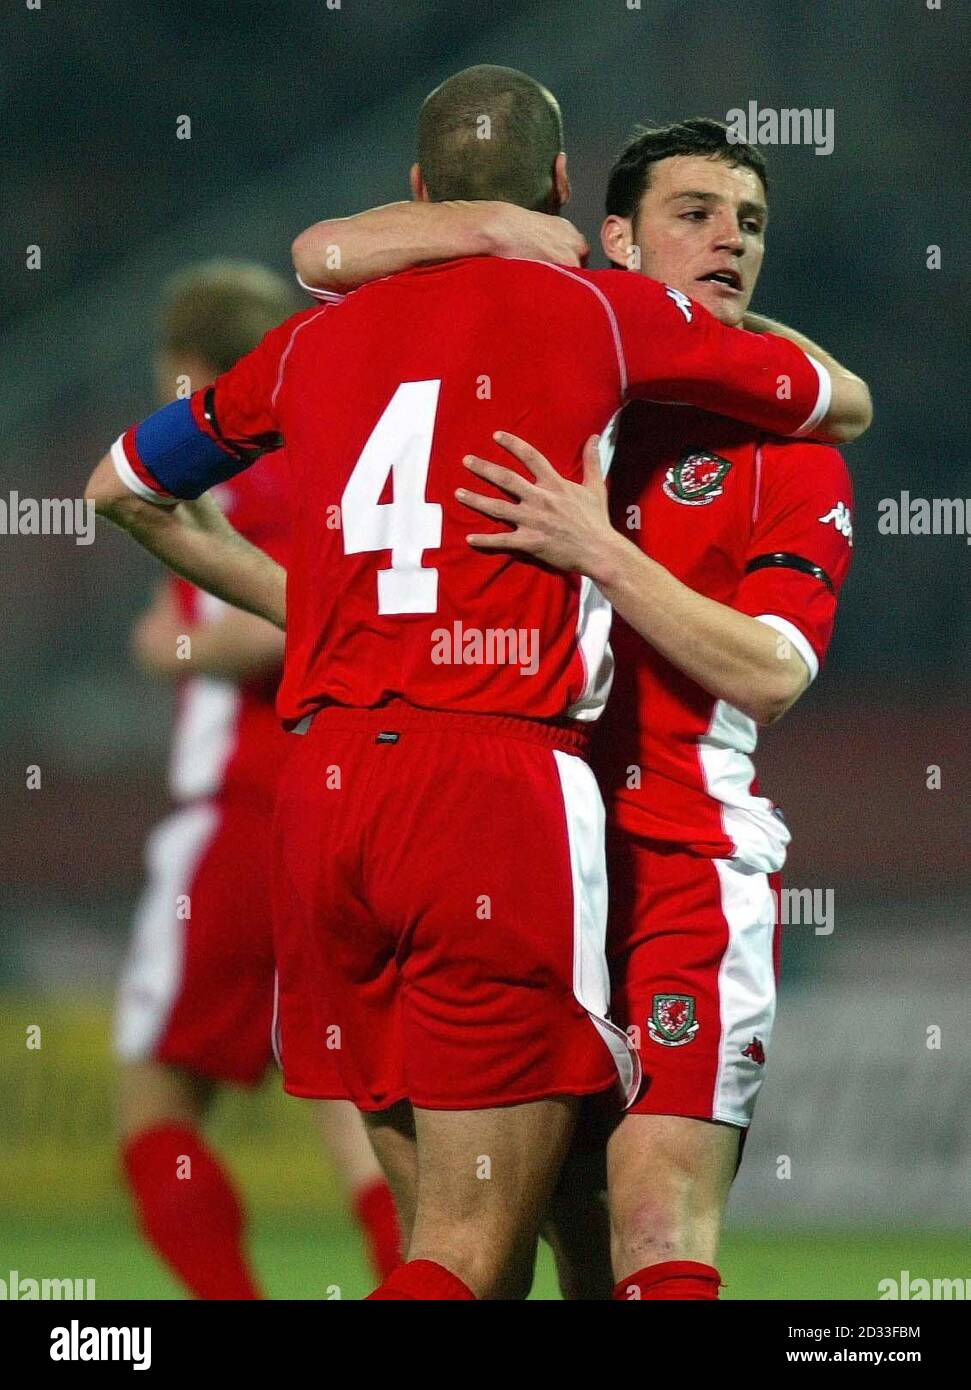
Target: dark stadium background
x,y
299,110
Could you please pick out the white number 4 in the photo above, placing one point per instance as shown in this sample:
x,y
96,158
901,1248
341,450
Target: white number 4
x,y
399,444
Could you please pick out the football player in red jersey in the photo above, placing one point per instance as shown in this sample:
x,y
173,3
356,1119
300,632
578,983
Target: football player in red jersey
x,y
686,816
435,792
723,563
195,1003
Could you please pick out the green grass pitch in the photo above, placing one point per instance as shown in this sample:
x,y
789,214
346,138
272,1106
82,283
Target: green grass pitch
x,y
63,1213
296,1261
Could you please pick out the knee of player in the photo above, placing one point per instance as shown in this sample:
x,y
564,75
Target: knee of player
x,y
656,1211
650,1230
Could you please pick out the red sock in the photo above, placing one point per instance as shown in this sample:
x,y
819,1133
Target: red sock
x,y
375,1212
423,1281
194,1222
684,1279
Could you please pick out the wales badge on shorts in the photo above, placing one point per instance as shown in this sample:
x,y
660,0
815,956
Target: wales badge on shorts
x,y
672,1022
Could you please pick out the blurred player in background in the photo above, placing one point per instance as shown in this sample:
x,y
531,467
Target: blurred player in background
x,y
195,1004
428,782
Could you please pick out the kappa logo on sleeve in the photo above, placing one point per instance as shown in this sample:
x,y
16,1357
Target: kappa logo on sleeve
x,y
842,519
696,479
672,1022
682,301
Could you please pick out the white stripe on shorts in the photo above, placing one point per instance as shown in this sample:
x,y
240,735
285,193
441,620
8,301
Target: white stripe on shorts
x,y
746,988
585,820
152,974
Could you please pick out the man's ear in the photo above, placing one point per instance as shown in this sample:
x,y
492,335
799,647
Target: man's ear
x,y
617,239
419,190
561,181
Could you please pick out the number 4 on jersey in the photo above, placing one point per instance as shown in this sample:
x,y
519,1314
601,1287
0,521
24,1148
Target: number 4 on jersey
x,y
399,444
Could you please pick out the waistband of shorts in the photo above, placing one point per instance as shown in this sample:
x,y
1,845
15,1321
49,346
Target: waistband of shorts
x,y
566,736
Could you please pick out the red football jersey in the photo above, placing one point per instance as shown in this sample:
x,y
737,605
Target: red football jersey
x,y
755,522
381,395
226,738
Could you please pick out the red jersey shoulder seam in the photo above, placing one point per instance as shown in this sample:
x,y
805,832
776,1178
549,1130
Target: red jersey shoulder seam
x,y
611,319
286,351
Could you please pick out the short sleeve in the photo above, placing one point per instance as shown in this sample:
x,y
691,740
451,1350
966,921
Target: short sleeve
x,y
801,545
191,445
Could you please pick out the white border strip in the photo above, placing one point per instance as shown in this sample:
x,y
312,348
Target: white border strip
x,y
797,638
153,976
594,618
823,401
585,825
746,989
327,296
131,480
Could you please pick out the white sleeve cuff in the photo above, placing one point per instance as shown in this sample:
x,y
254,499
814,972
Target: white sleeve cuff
x,y
132,481
325,296
797,639
823,401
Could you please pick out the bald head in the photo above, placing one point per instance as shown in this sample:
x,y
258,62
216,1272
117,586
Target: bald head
x,y
491,132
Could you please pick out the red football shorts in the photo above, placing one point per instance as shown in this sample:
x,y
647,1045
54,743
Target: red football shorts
x,y
694,951
197,989
441,906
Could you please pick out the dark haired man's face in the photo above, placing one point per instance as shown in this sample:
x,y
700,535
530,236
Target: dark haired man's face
x,y
700,227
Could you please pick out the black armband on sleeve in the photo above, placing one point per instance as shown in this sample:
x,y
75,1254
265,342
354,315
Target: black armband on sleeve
x,y
784,559
246,450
